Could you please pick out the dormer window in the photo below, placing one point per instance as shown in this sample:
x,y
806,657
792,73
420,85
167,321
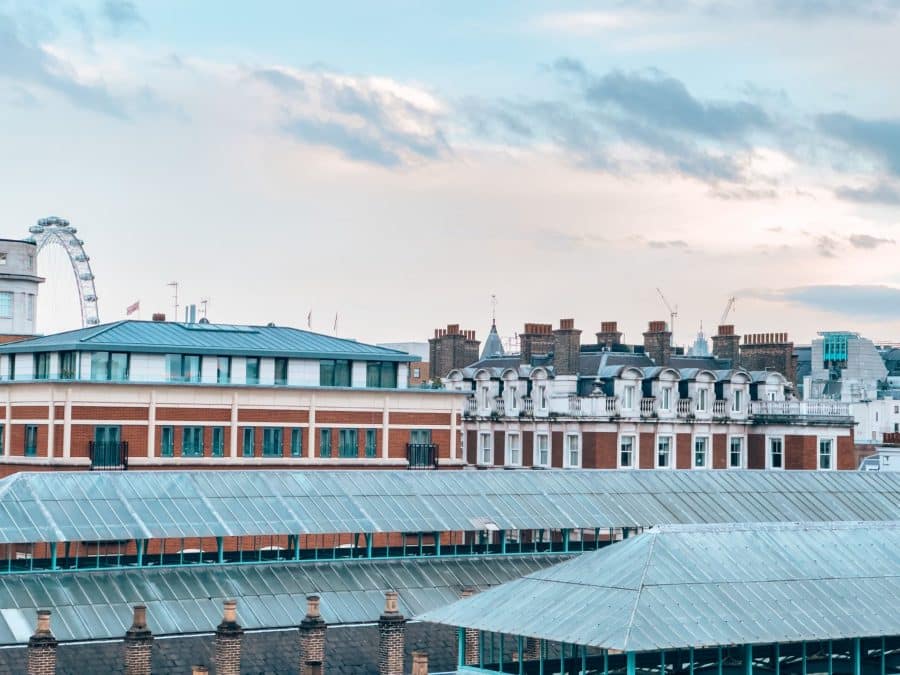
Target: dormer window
x,y
513,397
737,400
542,397
628,397
665,398
702,400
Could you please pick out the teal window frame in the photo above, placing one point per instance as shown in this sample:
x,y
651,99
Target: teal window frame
x,y
218,442
167,441
324,442
68,365
248,438
273,442
192,441
296,442
251,365
281,372
41,366
371,443
381,374
110,366
335,372
348,443
223,370
183,367
31,440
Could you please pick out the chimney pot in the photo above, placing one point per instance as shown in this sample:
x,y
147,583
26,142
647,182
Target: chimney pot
x,y
140,617
314,667
390,602
419,663
312,606
158,316
230,614
199,670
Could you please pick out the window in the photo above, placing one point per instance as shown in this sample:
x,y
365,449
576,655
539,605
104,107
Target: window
x,y
109,366
513,398
2,440
702,400
68,365
665,402
626,452
272,442
2,258
12,366
542,449
29,306
736,452
325,443
770,396
513,449
41,365
296,442
192,442
776,453
737,400
335,373
31,438
167,441
826,448
371,443
251,371
485,398
701,452
381,374
218,442
281,370
628,397
484,448
542,397
664,452
223,369
249,434
348,443
6,305
417,373
573,450
182,368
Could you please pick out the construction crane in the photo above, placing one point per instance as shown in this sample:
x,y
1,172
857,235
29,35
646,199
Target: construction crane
x,y
672,313
728,308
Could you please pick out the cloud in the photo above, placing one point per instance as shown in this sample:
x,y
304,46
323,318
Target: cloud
x,y
671,243
880,193
879,139
280,79
867,241
877,302
121,15
826,246
741,193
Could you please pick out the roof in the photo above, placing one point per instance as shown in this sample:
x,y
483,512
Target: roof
x,y
702,586
98,604
493,347
206,338
90,506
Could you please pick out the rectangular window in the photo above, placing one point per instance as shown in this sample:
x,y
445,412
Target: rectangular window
x,y
218,442
335,373
381,374
29,306
665,398
109,366
513,449
702,400
2,440
223,369
776,453
68,365
417,373
514,399
826,447
252,370
542,397
31,439
182,368
628,397
12,366
6,305
192,442
701,452
736,452
249,436
626,452
167,441
325,443
281,370
41,365
663,452
542,449
348,443
737,400
371,443
484,448
272,442
573,450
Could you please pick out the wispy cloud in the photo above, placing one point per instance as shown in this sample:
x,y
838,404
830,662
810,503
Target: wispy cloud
x,y
880,139
880,193
867,241
877,302
121,15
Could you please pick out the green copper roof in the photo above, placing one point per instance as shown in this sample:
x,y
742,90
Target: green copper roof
x,y
701,586
206,338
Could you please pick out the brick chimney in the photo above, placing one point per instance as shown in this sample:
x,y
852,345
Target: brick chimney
x,y
566,347
312,637
451,348
532,651
726,345
769,351
658,342
138,644
535,340
42,647
391,637
228,641
419,663
158,316
470,635
609,335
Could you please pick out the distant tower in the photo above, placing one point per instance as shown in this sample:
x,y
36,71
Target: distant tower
x,y
18,287
493,345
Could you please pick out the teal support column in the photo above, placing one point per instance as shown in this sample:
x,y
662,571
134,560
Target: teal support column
x,y
53,565
883,647
803,658
141,544
220,549
748,659
830,658
583,661
541,649
481,649
419,542
605,662
500,660
520,652
369,538
296,547
777,667
691,657
502,535
624,533
857,658
562,658
662,662
630,668
565,538
719,660
437,543
460,647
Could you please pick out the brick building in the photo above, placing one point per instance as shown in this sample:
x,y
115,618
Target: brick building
x,y
173,395
451,348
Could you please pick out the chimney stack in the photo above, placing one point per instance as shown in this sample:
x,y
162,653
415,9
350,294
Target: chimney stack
x,y
391,637
228,641
769,351
726,345
470,635
658,342
566,347
451,348
609,335
535,340
312,637
419,663
42,647
138,644
159,316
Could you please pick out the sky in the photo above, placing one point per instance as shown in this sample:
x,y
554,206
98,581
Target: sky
x,y
397,164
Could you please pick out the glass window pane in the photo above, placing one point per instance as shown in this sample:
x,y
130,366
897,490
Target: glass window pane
x,y
281,371
248,441
223,369
191,368
6,305
100,365
325,443
118,367
173,368
218,442
389,375
341,373
326,373
252,370
373,374
67,365
296,442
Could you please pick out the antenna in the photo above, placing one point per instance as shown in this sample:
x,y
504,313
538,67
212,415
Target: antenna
x,y
204,303
672,313
493,309
728,308
175,284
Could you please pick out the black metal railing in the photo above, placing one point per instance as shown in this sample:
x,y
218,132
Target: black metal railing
x,y
422,455
108,456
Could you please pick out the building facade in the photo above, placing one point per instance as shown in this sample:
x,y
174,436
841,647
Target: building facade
x,y
18,288
173,395
561,404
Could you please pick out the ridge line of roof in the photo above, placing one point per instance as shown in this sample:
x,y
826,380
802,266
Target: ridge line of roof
x,y
640,588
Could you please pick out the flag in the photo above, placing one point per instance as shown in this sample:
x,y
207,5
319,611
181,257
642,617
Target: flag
x,y
131,309
335,323
309,319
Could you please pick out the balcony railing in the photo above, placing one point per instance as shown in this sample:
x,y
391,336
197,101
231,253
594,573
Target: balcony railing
x,y
648,406
499,406
720,408
685,407
824,408
574,404
471,407
106,456
422,455
528,406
